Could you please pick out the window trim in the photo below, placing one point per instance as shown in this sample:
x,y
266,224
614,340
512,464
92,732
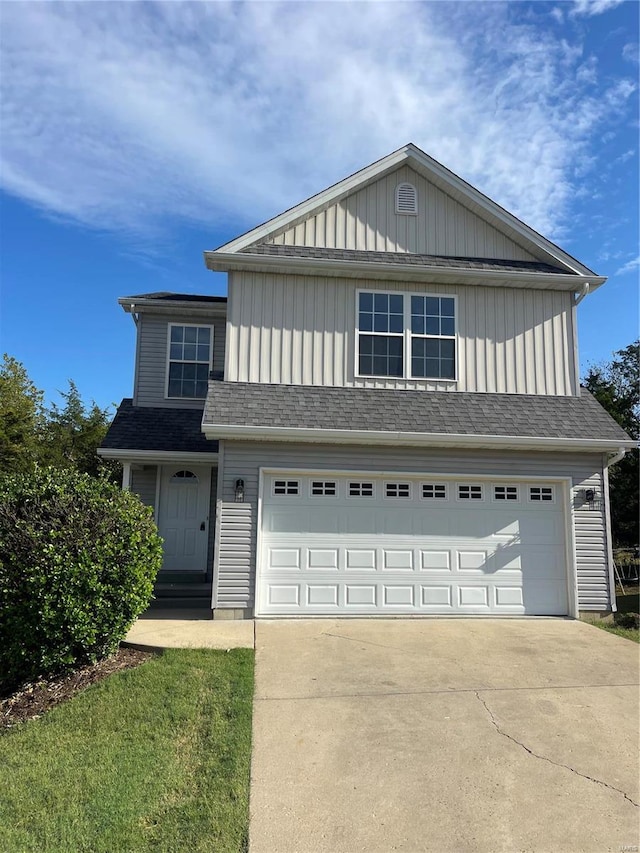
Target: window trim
x,y
397,483
540,500
435,484
505,486
324,482
406,335
170,326
470,498
288,483
362,482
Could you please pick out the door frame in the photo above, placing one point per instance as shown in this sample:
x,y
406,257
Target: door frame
x,y
178,464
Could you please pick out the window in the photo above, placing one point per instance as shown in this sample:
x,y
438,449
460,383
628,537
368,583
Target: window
x,y
406,199
286,487
189,361
434,491
323,488
432,337
406,335
184,477
540,493
505,493
470,493
397,490
361,490
381,325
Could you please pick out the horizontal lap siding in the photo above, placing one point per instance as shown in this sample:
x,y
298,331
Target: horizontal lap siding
x,y
367,220
151,371
301,330
143,484
242,460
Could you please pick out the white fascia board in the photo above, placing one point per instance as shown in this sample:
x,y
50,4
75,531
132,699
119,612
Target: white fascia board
x,y
153,306
155,455
397,272
347,436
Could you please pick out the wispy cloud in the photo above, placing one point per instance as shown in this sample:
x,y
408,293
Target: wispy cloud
x,y
593,7
118,115
630,52
631,266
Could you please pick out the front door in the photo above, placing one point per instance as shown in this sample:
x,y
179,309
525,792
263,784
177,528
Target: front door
x,y
183,517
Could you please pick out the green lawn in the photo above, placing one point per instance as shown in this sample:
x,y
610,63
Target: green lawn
x,y
153,758
612,628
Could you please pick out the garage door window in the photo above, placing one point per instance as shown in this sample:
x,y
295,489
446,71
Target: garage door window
x,y
361,490
466,493
324,488
505,493
397,490
434,491
286,487
540,493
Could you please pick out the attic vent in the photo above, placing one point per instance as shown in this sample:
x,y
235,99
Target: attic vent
x,y
406,199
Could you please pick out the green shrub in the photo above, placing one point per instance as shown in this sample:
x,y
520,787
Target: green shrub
x,y
627,620
78,558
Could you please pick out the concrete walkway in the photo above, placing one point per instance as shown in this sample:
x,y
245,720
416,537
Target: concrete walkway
x,y
444,735
172,629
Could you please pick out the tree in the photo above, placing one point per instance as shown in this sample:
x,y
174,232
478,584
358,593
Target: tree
x,y
73,433
22,417
616,386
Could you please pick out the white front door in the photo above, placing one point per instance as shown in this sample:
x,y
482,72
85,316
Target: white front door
x,y
183,517
337,544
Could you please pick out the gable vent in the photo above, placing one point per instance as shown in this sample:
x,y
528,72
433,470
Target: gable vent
x,y
406,199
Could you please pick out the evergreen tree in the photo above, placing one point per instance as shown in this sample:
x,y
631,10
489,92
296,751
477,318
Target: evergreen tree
x,y
22,418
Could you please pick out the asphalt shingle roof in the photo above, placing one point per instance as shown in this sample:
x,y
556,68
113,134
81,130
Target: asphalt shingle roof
x,y
157,428
167,296
439,412
400,258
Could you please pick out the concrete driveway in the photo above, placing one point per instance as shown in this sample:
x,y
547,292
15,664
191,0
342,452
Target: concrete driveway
x,y
439,735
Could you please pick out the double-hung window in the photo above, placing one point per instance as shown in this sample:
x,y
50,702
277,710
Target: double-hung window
x,y
190,349
406,335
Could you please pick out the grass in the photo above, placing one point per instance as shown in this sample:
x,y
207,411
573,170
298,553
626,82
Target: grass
x,y
627,601
628,633
153,758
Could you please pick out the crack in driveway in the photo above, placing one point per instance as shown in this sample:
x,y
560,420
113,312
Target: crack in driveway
x,y
550,760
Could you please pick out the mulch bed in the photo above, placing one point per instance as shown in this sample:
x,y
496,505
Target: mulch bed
x,y
33,700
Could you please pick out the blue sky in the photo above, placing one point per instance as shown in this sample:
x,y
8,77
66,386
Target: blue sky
x,y
136,135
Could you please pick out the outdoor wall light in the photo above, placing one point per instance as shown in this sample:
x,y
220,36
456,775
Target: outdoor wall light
x,y
239,491
589,495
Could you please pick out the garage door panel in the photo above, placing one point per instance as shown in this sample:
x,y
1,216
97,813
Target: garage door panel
x,y
331,554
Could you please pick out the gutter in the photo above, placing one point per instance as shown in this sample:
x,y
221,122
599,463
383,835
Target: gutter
x,y
227,261
586,288
419,439
616,457
156,455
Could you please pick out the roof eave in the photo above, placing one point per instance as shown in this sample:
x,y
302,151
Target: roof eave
x,y
131,305
229,261
379,437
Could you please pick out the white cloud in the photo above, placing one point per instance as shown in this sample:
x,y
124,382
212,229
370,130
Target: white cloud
x,y
120,115
630,52
588,8
631,266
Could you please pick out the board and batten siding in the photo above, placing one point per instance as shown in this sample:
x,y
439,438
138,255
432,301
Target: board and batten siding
x,y
238,523
301,330
367,220
151,367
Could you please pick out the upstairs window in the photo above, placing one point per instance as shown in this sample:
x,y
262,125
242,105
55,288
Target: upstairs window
x,y
406,199
190,353
406,335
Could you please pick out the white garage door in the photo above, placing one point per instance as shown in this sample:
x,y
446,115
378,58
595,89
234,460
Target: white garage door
x,y
356,544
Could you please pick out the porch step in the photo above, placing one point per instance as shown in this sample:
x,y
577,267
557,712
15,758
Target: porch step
x,y
181,595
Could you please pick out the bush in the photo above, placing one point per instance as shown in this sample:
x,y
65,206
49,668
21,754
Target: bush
x,y
78,558
627,620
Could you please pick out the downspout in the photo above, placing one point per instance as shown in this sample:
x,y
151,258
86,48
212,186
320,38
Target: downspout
x,y
616,457
586,287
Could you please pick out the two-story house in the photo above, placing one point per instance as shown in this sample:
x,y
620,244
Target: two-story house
x,y
384,417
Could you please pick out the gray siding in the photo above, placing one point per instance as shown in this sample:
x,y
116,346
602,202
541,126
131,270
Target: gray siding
x,y
367,220
300,330
242,460
143,484
151,365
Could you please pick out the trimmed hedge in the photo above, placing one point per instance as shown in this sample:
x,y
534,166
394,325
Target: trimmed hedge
x,y
78,558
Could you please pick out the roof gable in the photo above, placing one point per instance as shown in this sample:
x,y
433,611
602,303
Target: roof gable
x,y
453,218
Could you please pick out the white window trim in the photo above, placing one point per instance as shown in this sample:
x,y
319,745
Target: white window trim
x,y
370,497
169,359
399,482
505,486
483,492
324,481
541,500
407,336
287,481
434,498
